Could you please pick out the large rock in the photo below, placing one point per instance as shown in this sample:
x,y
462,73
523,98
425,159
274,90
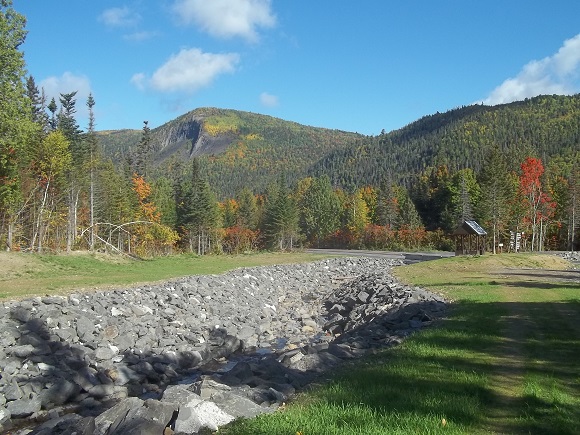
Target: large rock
x,y
197,415
58,394
23,407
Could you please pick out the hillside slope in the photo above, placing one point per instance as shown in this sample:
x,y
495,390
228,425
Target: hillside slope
x,y
545,126
240,149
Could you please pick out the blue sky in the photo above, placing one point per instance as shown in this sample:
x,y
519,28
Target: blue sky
x,y
356,66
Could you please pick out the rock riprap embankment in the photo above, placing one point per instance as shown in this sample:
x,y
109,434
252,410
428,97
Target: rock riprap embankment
x,y
199,351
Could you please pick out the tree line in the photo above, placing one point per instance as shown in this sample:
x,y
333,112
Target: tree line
x,y
59,192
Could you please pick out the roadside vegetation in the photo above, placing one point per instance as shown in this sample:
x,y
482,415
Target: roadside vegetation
x,y
503,361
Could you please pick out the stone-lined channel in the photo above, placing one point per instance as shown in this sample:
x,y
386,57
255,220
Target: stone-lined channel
x,y
199,351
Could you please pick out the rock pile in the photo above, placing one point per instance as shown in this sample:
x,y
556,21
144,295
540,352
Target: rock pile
x,y
195,352
572,256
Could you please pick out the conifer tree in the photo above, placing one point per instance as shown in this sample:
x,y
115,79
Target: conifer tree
x,y
197,212
142,154
163,196
37,103
281,217
16,124
320,210
464,195
387,205
52,108
92,144
67,123
408,214
495,194
247,209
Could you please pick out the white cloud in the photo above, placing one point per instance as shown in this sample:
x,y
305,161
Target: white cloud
x,y
139,80
119,17
65,84
556,74
227,18
188,71
268,100
54,86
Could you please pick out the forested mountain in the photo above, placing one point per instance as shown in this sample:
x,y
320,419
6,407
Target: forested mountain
x,y
117,143
241,149
544,126
237,149
216,180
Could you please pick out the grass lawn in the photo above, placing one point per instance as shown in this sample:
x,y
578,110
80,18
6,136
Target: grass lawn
x,y
25,275
505,360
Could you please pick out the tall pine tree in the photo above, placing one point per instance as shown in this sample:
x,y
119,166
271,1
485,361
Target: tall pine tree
x,y
320,210
16,121
495,195
281,217
197,211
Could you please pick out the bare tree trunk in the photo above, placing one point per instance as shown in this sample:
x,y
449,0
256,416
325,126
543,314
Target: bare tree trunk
x,y
92,207
39,219
69,227
572,225
10,236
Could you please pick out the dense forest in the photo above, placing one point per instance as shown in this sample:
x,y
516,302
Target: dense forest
x,y
237,149
543,126
217,180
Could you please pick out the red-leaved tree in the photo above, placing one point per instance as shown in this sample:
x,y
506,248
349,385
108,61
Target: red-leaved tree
x,y
540,207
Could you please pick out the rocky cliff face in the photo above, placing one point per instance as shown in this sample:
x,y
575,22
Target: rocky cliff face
x,y
185,138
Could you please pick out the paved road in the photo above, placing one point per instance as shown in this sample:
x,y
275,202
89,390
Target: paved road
x,y
408,257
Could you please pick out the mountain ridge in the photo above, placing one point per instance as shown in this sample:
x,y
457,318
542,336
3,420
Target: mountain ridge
x,y
239,148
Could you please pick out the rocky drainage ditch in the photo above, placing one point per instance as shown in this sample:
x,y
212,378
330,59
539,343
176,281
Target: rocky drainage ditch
x,y
196,352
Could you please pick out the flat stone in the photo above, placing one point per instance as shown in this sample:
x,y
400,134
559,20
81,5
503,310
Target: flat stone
x,y
21,314
12,391
4,416
239,406
105,353
115,415
23,351
23,407
59,393
179,394
85,328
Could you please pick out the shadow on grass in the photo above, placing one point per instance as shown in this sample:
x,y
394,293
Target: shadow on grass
x,y
566,275
543,285
517,284
444,372
447,371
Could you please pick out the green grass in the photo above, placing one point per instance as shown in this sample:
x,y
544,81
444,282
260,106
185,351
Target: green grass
x,y
505,360
25,275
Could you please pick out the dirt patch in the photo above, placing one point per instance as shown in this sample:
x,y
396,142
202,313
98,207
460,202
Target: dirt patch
x,y
509,371
14,265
